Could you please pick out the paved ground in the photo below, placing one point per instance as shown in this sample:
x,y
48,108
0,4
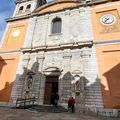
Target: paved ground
x,y
19,114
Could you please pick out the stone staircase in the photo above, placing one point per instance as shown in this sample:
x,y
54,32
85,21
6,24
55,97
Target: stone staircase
x,y
48,108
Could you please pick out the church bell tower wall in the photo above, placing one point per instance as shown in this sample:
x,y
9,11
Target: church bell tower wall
x,y
24,7
69,54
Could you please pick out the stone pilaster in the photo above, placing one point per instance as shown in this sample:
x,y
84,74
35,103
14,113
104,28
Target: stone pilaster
x,y
40,59
30,33
85,55
26,58
67,76
80,96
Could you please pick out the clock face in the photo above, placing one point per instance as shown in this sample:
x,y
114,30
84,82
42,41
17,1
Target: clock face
x,y
108,19
16,33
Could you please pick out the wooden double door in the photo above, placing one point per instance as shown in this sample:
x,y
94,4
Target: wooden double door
x,y
51,87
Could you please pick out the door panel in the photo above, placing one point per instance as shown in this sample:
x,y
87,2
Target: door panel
x,y
48,90
51,87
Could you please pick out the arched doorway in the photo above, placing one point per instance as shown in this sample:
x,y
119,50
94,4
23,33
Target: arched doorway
x,y
51,84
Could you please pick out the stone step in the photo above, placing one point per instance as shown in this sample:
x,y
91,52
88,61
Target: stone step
x,y
48,108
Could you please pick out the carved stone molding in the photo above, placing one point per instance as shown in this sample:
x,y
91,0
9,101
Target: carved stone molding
x,y
86,53
67,54
40,56
26,57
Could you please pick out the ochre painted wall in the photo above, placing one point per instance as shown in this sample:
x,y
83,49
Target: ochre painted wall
x,y
109,74
8,67
15,35
108,55
14,39
106,32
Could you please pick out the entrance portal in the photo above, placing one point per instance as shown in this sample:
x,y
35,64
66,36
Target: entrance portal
x,y
51,87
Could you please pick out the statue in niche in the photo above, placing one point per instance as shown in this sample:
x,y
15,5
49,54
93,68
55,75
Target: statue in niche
x,y
77,83
29,83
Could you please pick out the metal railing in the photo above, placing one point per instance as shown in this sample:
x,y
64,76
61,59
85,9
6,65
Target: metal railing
x,y
25,102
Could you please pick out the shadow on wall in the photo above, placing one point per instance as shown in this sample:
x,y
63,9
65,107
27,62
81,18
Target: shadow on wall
x,y
66,91
31,82
28,83
2,64
5,92
112,95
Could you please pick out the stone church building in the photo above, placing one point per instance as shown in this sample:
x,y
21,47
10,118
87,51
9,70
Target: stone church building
x,y
69,47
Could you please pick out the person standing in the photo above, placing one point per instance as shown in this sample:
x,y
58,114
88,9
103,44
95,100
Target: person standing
x,y
53,99
71,104
56,99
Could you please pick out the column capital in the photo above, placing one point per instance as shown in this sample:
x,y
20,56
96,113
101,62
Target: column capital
x,y
67,54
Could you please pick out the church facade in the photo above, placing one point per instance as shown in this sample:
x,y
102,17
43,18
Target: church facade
x,y
67,47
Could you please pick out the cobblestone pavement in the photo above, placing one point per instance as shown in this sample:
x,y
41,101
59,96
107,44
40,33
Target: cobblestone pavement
x,y
20,114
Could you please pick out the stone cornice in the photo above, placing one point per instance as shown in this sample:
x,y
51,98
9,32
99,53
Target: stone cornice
x,y
104,42
21,1
9,51
39,14
18,18
59,46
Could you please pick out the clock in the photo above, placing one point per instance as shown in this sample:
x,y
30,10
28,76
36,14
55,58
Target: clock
x,y
108,19
16,33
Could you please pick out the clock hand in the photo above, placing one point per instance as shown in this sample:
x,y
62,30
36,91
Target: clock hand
x,y
106,19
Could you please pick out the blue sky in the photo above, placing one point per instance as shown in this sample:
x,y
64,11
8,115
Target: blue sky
x,y
6,10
